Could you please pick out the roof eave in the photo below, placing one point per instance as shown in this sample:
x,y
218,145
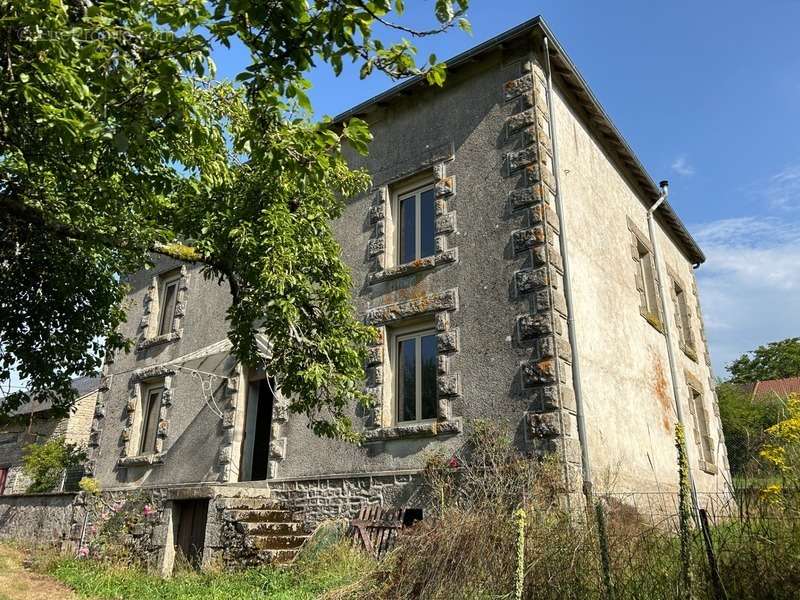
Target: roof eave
x,y
567,70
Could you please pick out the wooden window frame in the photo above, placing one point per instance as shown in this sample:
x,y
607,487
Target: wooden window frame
x,y
416,189
166,322
700,427
145,415
416,332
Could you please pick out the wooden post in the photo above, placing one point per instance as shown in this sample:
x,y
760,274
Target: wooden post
x,y
716,580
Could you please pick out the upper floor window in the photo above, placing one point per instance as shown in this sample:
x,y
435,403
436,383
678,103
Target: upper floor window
x,y
151,409
415,212
415,375
702,435
167,297
682,317
648,279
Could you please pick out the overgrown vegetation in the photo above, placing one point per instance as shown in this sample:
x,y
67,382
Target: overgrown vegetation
x,y
327,564
46,463
501,525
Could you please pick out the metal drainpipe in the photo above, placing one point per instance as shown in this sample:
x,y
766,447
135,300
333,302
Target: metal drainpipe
x,y
664,185
586,467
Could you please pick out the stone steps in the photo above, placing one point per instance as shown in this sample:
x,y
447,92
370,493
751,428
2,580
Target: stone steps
x,y
278,542
272,531
271,528
261,515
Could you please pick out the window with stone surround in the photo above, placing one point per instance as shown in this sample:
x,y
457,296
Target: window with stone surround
x,y
152,394
702,436
414,220
414,362
167,297
646,278
683,319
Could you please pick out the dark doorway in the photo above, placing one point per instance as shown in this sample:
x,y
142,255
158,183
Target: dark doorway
x,y
257,428
190,532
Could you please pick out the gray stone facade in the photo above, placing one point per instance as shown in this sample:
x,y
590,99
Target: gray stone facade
x,y
492,293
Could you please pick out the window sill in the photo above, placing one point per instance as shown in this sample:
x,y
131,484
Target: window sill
x,y
689,352
708,467
165,338
421,264
653,319
141,460
414,430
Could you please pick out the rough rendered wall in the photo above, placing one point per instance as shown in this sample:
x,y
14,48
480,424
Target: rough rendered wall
x,y
190,432
626,380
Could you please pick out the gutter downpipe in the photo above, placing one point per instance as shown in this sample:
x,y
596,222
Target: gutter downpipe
x,y
664,186
586,467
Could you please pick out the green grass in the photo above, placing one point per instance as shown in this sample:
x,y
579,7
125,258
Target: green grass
x,y
317,571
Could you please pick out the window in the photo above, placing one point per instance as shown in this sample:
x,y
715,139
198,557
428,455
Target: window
x,y
416,223
167,296
151,409
702,437
648,280
415,376
682,318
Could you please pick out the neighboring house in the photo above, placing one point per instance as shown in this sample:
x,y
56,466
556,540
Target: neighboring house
x,y
776,388
34,423
456,255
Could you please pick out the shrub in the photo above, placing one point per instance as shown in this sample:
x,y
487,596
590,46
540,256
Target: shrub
x,y
45,463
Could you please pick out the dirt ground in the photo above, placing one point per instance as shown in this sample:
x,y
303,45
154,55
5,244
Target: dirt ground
x,y
19,583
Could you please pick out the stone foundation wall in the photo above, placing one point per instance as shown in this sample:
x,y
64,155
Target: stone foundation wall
x,y
39,518
340,497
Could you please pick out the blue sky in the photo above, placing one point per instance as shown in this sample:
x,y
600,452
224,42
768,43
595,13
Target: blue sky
x,y
707,94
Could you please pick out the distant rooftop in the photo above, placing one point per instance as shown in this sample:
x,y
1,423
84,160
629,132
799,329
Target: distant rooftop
x,y
777,387
82,385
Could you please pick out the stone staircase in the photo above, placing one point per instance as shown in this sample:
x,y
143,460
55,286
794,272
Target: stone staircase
x,y
261,531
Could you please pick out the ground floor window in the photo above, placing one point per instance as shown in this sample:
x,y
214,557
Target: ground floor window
x,y
415,375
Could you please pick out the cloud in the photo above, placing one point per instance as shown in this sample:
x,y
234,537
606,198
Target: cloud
x,y
782,190
749,285
682,167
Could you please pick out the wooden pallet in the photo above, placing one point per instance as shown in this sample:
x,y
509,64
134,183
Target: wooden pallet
x,y
375,529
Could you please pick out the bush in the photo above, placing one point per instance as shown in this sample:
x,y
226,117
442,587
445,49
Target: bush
x,y
45,463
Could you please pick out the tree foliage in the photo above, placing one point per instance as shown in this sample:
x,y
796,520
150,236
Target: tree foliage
x,y
776,360
745,423
45,463
116,143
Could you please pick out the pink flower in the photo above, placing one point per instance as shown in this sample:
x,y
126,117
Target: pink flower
x,y
116,507
83,552
453,463
148,510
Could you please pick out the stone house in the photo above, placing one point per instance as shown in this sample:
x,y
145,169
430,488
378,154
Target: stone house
x,y
505,256
35,423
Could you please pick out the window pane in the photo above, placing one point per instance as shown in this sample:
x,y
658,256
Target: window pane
x,y
150,421
427,225
167,308
428,366
408,240
406,380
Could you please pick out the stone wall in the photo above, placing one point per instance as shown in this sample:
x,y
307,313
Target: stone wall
x,y
342,497
550,416
38,518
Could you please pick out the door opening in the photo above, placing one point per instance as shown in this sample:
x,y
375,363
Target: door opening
x,y
190,532
257,429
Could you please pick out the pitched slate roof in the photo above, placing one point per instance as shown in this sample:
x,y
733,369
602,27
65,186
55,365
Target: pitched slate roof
x,y
595,115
